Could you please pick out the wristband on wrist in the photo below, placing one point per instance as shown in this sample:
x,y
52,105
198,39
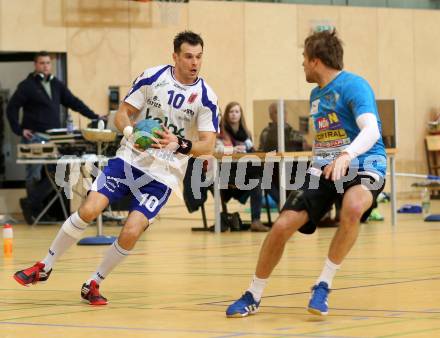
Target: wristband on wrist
x,y
184,145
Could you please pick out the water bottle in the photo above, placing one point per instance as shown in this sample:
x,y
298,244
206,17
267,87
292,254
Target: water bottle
x,y
426,202
69,124
101,125
248,144
7,240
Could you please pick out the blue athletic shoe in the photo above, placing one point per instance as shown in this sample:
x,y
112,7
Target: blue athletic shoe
x,y
243,307
318,301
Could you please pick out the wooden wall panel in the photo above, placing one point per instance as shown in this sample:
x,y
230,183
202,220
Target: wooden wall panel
x,y
271,54
153,46
396,75
307,18
221,26
427,70
359,34
97,58
1,26
32,26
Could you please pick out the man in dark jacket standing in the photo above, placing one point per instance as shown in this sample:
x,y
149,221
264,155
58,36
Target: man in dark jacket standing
x,y
40,96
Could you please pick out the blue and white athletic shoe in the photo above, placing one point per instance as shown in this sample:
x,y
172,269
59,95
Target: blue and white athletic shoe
x,y
243,307
318,304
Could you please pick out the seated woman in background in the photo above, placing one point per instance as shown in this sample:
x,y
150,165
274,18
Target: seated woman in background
x,y
235,138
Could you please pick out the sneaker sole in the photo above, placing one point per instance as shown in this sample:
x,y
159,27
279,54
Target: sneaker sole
x,y
317,312
28,284
241,315
19,281
238,315
88,302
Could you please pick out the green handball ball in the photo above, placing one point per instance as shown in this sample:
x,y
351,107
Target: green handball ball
x,y
144,131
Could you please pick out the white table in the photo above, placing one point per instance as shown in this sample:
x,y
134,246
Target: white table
x,y
65,160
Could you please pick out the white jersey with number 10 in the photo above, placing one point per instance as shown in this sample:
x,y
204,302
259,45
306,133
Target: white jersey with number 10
x,y
183,109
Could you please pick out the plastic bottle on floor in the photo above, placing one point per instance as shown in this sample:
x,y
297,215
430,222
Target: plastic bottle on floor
x,y
8,236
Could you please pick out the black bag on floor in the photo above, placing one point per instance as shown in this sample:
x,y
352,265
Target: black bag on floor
x,y
231,221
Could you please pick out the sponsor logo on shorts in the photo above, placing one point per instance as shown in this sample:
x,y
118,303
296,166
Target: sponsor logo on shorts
x,y
111,183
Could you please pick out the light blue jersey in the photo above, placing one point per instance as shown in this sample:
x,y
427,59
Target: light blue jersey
x,y
334,110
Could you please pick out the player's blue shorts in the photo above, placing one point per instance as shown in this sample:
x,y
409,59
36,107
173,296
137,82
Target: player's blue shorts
x,y
119,179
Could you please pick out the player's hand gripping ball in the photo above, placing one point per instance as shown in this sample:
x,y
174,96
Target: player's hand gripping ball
x,y
145,131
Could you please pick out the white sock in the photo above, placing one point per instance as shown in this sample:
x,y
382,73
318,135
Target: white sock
x,y
328,272
68,235
257,287
114,255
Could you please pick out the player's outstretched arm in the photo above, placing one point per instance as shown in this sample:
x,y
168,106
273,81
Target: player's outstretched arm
x,y
125,115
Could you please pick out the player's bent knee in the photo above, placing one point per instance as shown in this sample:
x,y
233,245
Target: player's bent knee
x,y
132,231
352,213
279,232
87,212
282,229
290,221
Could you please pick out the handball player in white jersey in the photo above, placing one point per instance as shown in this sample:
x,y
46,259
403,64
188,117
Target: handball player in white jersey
x,y
186,107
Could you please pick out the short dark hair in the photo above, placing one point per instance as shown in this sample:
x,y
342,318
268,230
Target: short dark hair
x,y
40,54
327,47
189,37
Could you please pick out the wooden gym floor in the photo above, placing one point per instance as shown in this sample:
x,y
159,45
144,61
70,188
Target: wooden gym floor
x,y
178,283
